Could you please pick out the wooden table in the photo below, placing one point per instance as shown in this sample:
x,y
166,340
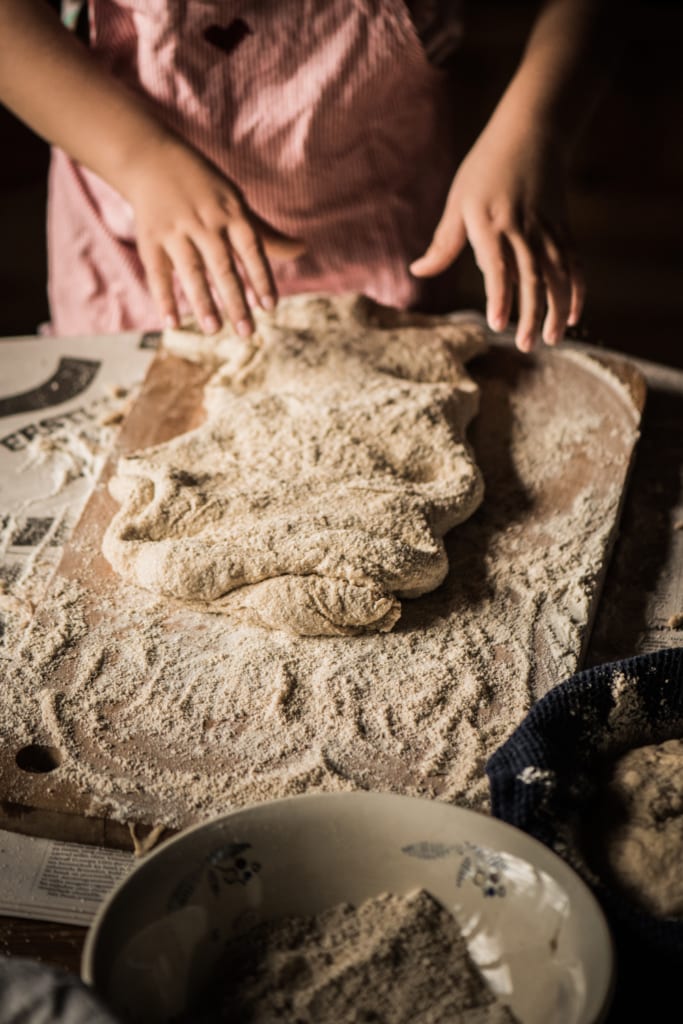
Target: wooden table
x,y
643,591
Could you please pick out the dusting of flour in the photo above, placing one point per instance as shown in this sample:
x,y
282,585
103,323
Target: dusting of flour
x,y
170,715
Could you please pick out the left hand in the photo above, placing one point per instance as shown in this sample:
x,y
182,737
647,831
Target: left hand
x,y
508,200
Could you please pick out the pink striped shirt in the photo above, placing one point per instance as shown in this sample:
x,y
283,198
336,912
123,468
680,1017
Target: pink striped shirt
x,y
327,114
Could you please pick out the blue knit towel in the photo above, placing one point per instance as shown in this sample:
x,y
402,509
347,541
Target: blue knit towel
x,y
544,776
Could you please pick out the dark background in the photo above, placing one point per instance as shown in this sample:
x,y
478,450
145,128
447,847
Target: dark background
x,y
626,196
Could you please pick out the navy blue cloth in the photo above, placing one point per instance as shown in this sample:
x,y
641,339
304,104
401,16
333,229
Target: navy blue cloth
x,y
545,776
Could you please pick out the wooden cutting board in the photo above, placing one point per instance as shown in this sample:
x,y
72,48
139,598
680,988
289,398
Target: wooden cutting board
x,y
34,797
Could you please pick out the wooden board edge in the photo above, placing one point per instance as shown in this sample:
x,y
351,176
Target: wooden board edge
x,y
626,375
63,827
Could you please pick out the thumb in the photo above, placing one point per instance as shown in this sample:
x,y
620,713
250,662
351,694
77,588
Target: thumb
x,y
276,244
446,245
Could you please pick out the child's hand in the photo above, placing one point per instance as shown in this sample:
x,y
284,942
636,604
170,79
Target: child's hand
x,y
508,200
192,221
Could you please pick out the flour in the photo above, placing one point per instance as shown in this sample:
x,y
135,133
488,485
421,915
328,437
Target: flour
x,y
65,465
628,718
17,610
167,715
78,449
393,960
530,775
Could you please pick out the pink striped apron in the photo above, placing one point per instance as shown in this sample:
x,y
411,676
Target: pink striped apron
x,y
326,113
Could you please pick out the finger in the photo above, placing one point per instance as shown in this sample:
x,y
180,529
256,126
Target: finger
x,y
218,258
246,244
490,253
578,285
191,272
531,293
447,243
281,248
275,244
558,291
160,280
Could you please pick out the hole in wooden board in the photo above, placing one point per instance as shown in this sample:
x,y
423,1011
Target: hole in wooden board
x,y
38,759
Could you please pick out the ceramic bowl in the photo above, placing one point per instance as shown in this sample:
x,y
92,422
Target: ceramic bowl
x,y
531,924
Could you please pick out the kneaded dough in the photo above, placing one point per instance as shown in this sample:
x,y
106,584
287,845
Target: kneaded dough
x,y
643,848
332,461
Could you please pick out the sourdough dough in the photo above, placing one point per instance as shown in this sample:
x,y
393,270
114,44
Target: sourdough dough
x,y
331,463
642,838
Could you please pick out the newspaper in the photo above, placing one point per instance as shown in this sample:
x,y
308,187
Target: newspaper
x,y
60,403
56,881
59,400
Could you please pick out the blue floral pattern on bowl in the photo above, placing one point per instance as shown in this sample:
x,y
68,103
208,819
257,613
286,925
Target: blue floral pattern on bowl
x,y
483,867
228,864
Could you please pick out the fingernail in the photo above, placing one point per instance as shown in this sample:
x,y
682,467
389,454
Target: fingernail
x,y
496,323
525,343
210,324
244,328
170,320
267,302
416,266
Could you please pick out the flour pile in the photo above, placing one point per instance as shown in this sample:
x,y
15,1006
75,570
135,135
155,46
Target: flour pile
x,y
393,960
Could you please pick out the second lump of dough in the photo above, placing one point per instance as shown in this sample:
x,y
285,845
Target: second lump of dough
x,y
331,463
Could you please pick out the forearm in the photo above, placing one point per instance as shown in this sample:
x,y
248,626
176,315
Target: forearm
x,y
54,84
570,47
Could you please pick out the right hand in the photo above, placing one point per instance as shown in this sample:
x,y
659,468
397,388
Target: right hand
x,y
194,222
508,200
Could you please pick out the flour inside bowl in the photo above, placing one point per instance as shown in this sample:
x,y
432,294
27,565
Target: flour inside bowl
x,y
392,960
